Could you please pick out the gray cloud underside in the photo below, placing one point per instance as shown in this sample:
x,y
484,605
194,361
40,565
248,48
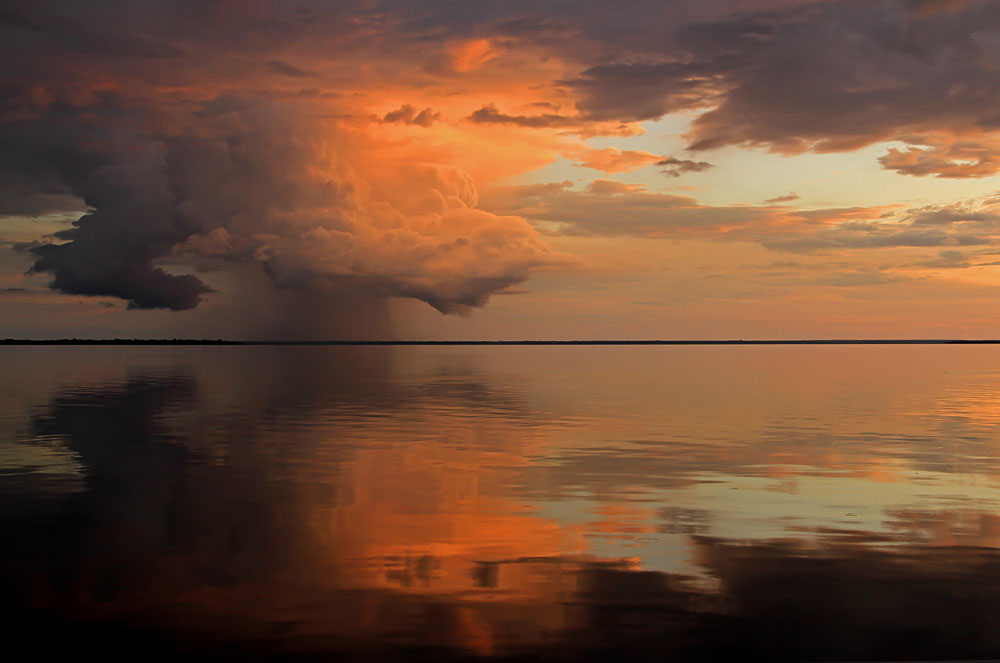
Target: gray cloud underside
x,y
790,76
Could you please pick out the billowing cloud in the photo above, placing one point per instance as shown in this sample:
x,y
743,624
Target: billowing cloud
x,y
184,170
301,200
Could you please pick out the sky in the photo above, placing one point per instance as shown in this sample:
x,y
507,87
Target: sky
x,y
699,169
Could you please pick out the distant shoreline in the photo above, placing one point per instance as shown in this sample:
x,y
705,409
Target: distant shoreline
x,y
183,341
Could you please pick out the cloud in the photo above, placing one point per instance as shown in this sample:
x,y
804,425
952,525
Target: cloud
x,y
189,164
934,226
610,208
611,160
949,259
303,198
829,76
489,114
676,167
933,6
111,250
641,91
944,155
188,143
285,69
859,277
407,114
469,55
787,198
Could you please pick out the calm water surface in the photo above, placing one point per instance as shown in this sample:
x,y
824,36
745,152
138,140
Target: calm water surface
x,y
520,503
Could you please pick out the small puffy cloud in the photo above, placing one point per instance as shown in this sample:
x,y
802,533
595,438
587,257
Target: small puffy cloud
x,y
787,198
489,114
407,114
611,160
676,167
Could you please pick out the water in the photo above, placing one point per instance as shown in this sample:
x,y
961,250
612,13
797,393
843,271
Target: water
x,y
520,503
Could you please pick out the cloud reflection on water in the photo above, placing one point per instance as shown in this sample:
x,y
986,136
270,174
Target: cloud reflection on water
x,y
450,503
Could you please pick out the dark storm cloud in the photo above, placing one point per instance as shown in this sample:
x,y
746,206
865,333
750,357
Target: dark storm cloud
x,y
641,91
62,28
249,194
829,76
110,250
146,116
11,19
134,279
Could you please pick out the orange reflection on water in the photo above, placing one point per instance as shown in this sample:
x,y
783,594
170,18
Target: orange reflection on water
x,y
506,500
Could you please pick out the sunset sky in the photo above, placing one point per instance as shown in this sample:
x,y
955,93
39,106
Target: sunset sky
x,y
500,170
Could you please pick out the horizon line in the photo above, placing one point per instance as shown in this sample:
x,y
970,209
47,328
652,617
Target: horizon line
x,y
375,342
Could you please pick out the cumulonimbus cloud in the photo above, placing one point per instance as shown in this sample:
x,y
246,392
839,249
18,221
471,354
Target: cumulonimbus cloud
x,y
300,197
183,168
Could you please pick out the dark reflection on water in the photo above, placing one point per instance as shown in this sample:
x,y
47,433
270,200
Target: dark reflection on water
x,y
513,503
